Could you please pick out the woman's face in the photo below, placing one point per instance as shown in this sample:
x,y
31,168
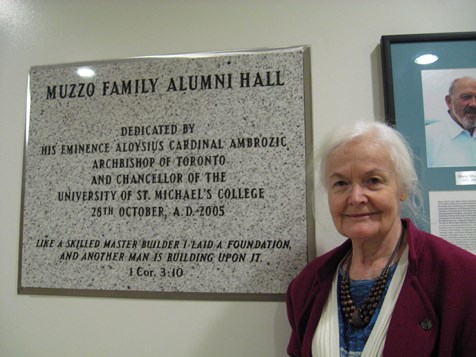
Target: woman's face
x,y
363,193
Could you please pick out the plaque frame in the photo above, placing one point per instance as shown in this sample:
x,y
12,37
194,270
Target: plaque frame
x,y
142,294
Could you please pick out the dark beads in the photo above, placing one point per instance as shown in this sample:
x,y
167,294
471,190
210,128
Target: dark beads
x,y
360,317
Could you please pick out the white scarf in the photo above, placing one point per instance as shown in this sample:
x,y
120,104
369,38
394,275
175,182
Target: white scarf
x,y
325,342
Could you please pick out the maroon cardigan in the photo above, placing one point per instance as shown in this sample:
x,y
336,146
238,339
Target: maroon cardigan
x,y
435,313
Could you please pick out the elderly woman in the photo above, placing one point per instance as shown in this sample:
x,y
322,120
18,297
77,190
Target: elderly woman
x,y
390,289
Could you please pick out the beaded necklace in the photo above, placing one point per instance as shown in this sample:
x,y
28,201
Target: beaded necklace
x,y
361,316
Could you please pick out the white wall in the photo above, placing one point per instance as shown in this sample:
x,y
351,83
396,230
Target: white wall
x,y
343,34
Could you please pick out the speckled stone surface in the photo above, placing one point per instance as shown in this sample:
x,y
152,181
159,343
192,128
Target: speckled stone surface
x,y
167,174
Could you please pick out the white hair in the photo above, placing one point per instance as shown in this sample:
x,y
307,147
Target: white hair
x,y
387,139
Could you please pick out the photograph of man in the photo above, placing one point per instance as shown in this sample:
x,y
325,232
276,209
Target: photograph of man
x,y
451,141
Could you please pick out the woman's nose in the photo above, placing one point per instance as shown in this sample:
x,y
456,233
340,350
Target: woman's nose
x,y
357,195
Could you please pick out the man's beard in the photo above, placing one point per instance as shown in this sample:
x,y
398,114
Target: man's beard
x,y
468,121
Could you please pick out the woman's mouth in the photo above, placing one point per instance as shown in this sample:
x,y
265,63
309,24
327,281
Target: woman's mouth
x,y
359,215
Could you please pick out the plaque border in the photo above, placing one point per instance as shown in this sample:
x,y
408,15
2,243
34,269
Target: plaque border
x,y
213,296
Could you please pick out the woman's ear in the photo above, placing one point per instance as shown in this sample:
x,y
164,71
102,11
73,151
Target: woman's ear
x,y
403,196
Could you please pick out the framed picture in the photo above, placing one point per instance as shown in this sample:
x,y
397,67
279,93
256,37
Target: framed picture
x,y
430,97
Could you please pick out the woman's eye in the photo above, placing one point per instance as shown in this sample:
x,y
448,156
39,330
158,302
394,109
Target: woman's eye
x,y
339,184
374,181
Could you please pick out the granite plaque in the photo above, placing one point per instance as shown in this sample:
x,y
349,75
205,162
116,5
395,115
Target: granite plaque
x,y
179,176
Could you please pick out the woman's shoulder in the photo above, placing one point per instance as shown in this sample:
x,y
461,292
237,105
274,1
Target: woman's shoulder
x,y
441,250
322,267
435,258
